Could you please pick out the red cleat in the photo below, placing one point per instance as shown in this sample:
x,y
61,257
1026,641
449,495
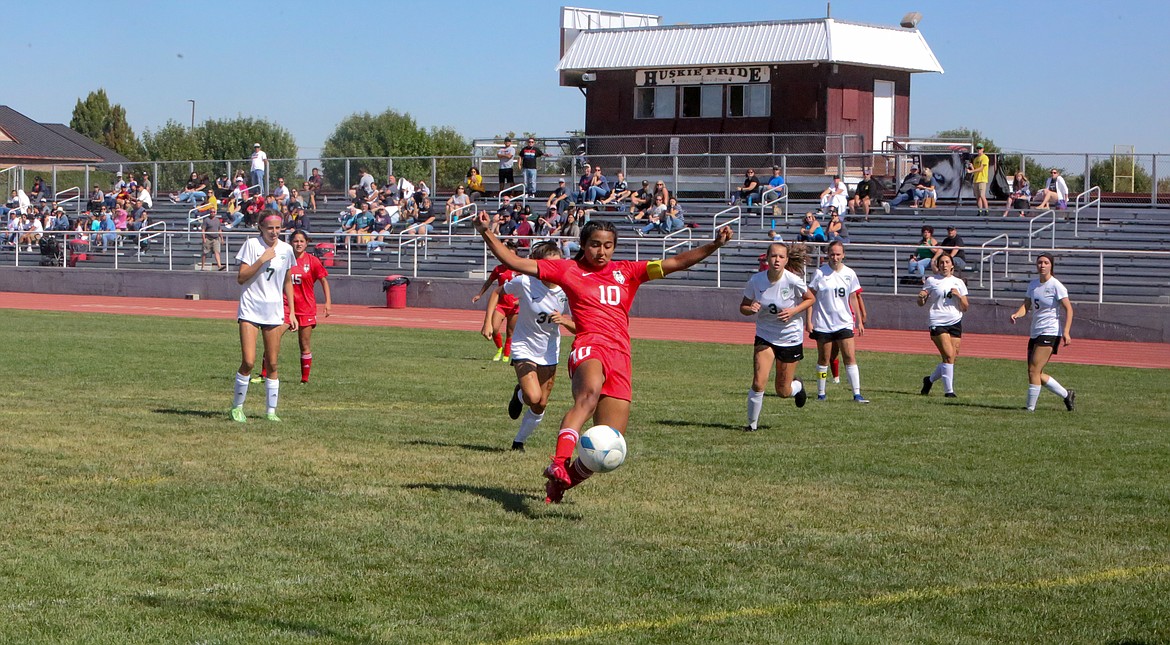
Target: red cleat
x,y
554,492
558,472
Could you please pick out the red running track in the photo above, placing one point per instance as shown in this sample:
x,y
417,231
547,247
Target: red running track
x,y
1082,351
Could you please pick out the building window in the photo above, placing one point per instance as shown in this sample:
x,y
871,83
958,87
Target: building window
x,y
654,103
749,100
704,101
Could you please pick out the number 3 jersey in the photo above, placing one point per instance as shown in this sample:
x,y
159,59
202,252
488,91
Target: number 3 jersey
x,y
536,337
833,288
773,297
600,298
262,299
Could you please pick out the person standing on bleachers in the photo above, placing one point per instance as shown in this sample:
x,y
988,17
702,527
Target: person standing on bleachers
x,y
528,165
507,158
979,172
259,167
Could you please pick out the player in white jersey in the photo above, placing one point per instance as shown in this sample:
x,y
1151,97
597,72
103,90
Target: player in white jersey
x,y
835,287
778,299
536,342
1048,297
264,274
947,296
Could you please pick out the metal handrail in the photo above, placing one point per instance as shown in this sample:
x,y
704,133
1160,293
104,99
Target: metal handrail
x,y
1078,207
76,197
782,192
989,260
422,238
737,220
1050,225
161,231
511,189
192,220
453,220
687,242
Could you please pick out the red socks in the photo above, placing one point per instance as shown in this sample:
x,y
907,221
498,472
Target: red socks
x,y
566,442
306,365
498,340
508,350
836,367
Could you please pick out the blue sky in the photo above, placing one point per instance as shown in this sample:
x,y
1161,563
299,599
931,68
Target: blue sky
x,y
1043,76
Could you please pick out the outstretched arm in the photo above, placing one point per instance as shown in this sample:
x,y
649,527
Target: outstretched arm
x,y
505,255
688,259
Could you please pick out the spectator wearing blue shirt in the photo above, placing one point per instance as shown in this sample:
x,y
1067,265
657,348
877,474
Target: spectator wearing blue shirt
x,y
599,187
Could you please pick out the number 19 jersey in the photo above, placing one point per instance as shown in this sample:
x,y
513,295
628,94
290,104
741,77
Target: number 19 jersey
x,y
831,312
600,298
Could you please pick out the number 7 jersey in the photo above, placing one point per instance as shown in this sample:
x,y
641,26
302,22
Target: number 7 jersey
x,y
600,298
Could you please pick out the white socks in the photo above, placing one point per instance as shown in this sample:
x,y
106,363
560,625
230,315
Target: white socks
x,y
948,377
937,373
241,391
272,388
1033,396
528,425
797,386
854,378
755,404
1056,388
822,376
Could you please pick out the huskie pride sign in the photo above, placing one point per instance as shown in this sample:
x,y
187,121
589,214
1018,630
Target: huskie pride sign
x,y
703,75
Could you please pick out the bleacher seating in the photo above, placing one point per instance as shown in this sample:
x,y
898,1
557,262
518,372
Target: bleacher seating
x,y
1127,278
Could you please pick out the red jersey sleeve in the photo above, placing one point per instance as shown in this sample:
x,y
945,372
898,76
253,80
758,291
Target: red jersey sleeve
x,y
553,270
319,270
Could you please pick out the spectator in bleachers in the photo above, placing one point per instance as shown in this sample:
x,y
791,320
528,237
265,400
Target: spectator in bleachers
x,y
423,188
281,192
570,228
403,189
475,183
811,229
560,196
923,256
620,192
653,215
144,197
259,166
300,218
146,185
316,182
867,193
599,187
455,202
96,198
121,217
777,180
40,190
749,189
1021,196
1055,189
420,224
529,155
952,245
506,155
642,199
908,190
980,170
61,221
31,231
583,184
13,227
194,192
223,186
836,231
929,194
836,195
106,229
422,200
212,242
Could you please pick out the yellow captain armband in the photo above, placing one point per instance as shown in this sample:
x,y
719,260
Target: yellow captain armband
x,y
654,269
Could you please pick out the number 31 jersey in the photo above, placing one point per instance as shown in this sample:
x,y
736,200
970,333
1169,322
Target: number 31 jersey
x,y
536,337
786,292
600,298
833,288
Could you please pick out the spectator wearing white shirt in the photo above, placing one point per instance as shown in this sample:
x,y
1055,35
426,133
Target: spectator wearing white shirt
x,y
1055,189
259,167
281,191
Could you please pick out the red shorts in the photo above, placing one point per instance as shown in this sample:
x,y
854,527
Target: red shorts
x,y
508,312
614,363
303,320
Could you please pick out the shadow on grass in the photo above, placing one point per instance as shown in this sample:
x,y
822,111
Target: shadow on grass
x,y
235,613
675,423
474,447
206,414
512,502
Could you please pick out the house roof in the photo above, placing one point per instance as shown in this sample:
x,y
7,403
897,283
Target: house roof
x,y
27,141
821,40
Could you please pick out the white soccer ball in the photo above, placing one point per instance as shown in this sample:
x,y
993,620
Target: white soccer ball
x,y
601,449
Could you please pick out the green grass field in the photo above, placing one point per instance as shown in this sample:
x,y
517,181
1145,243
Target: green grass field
x,y
385,508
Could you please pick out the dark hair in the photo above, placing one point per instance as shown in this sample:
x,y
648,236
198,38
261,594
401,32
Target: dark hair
x,y
589,229
542,250
836,243
1051,260
302,233
927,228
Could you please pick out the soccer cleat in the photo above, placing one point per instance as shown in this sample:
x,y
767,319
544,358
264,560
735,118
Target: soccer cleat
x,y
837,380
554,492
304,382
951,395
499,354
857,398
750,428
801,397
518,446
822,397
256,379
1070,401
515,404
926,385
271,416
237,415
506,359
558,471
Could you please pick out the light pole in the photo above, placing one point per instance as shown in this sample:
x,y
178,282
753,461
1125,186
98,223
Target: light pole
x,y
192,102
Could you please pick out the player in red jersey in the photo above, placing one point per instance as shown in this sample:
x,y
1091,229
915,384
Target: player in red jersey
x,y
501,308
306,273
600,291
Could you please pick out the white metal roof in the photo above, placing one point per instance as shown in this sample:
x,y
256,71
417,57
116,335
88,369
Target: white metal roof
x,y
822,40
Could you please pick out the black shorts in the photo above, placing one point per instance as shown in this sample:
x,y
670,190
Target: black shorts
x,y
791,354
507,178
254,324
955,330
1043,341
827,336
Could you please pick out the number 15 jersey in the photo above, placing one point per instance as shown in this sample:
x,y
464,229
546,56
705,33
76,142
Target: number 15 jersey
x,y
600,298
831,312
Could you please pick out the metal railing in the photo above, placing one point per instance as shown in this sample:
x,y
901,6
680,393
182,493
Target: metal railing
x,y
76,198
988,261
675,239
1083,202
453,219
781,197
509,190
160,233
1033,232
415,241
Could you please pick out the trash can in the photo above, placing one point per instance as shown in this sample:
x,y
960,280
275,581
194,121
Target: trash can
x,y
78,251
324,252
395,288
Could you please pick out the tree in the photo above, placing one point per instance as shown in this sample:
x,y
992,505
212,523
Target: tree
x,y
232,139
369,139
1010,164
172,142
973,135
106,124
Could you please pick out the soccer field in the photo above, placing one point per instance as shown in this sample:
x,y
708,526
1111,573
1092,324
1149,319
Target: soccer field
x,y
386,507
